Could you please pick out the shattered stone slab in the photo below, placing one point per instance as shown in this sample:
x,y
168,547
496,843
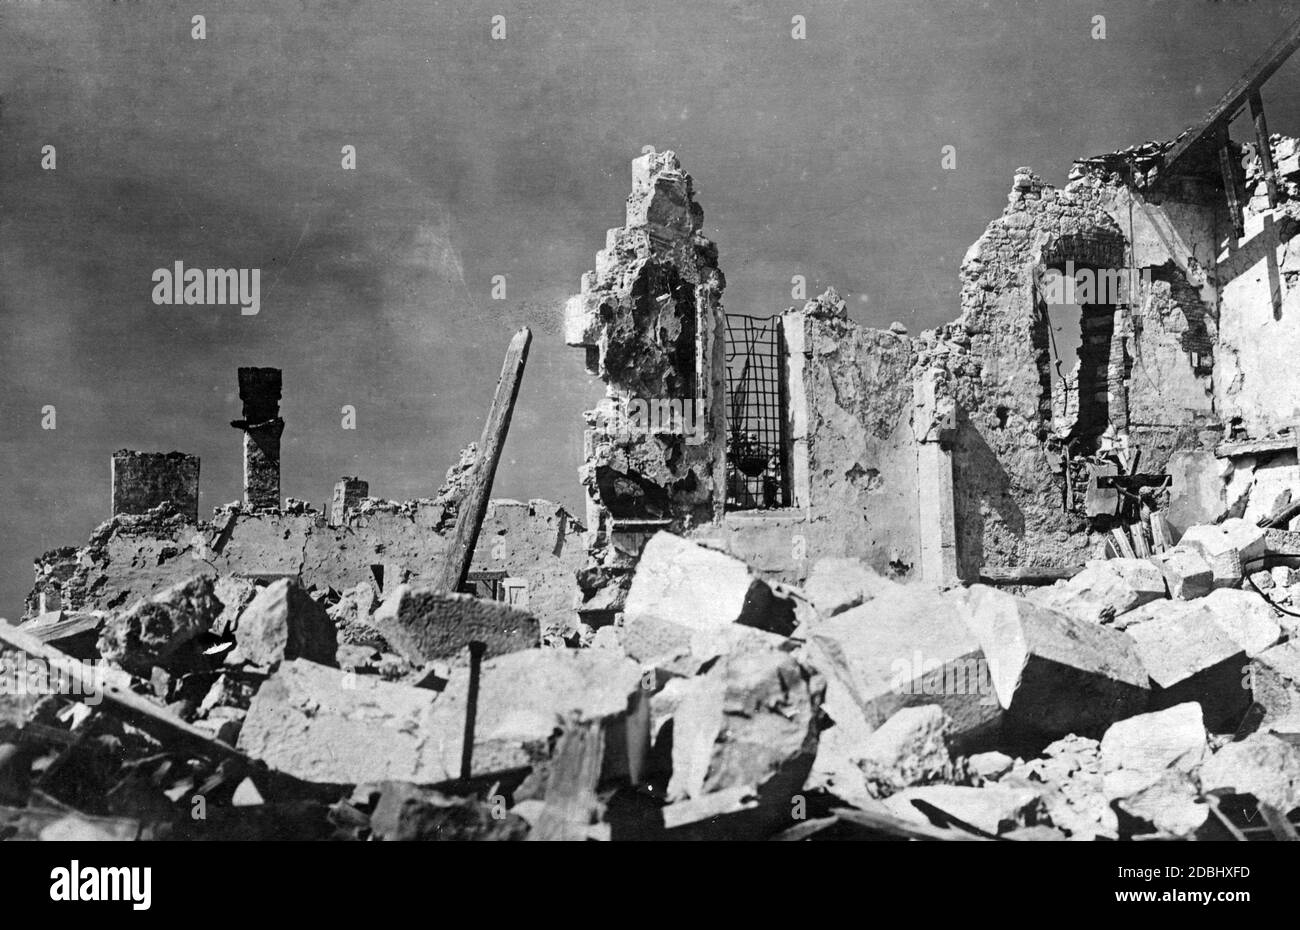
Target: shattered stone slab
x,y
909,645
838,584
155,630
331,727
425,624
234,593
1105,589
1054,673
1260,765
744,722
1273,677
523,698
1173,738
1191,658
284,622
663,647
76,635
909,749
409,813
1186,572
682,589
994,809
1228,547
752,722
1166,802
1247,619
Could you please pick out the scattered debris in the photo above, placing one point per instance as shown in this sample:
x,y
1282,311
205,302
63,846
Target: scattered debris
x,y
774,625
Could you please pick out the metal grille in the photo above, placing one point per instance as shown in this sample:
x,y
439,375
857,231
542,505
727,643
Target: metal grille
x,y
757,462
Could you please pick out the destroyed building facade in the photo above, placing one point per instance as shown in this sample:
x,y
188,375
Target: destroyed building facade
x,y
527,552
980,449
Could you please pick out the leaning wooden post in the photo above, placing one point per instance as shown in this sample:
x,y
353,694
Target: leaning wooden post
x,y
473,506
1230,187
1265,149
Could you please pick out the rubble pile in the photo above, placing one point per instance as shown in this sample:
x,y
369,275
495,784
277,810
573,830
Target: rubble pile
x,y
720,706
832,581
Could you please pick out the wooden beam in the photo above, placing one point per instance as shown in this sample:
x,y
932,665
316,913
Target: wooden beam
x,y
1028,574
1251,447
1228,169
1140,544
1282,828
1123,545
1238,94
1160,534
1265,150
1280,519
473,506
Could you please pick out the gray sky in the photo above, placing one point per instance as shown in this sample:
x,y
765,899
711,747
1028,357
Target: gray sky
x,y
478,158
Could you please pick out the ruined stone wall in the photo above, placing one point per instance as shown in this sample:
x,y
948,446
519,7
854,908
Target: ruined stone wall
x,y
143,480
1258,384
650,319
540,542
1158,375
130,557
854,449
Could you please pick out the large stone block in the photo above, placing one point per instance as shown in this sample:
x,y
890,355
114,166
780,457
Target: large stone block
x,y
425,623
838,584
1173,738
1273,677
905,646
1228,546
1105,589
156,630
1186,572
749,723
1247,619
332,727
910,748
523,699
1052,672
682,590
1190,658
284,622
1260,765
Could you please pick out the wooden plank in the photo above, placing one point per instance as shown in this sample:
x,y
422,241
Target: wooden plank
x,y
1229,450
1238,94
1122,544
1228,170
473,507
1160,536
1282,828
806,829
169,728
1131,481
1140,545
889,825
1281,518
1265,150
1028,574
